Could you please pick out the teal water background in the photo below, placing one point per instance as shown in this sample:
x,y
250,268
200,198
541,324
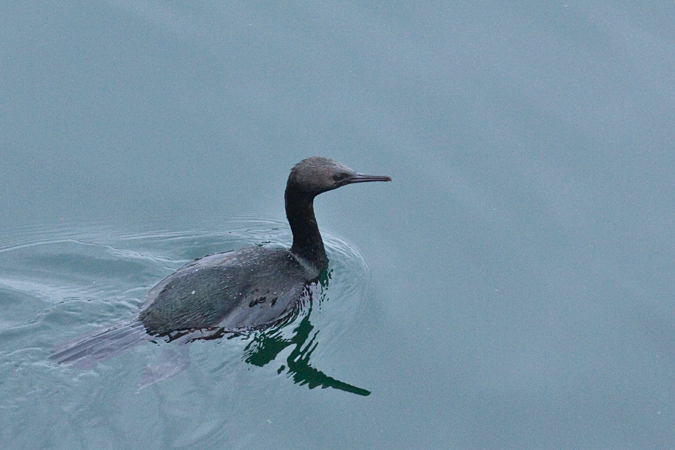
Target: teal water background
x,y
511,288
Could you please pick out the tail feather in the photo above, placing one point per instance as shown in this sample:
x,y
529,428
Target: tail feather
x,y
99,346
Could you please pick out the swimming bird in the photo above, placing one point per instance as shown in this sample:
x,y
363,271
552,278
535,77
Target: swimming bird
x,y
241,290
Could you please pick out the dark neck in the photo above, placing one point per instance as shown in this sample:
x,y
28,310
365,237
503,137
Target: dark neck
x,y
307,242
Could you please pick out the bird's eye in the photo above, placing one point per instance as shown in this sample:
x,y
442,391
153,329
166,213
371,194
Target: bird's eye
x,y
340,176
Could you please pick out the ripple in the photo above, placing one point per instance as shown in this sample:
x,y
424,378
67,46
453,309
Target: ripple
x,y
58,284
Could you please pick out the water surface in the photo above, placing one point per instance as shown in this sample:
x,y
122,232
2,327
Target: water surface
x,y
511,288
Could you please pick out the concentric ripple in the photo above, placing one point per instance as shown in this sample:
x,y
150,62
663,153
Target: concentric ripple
x,y
55,286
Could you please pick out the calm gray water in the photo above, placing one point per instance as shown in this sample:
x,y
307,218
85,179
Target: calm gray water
x,y
512,288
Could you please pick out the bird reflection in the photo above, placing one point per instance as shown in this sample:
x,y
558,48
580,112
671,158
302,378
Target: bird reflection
x,y
266,346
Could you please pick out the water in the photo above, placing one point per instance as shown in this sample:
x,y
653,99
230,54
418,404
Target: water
x,y
511,288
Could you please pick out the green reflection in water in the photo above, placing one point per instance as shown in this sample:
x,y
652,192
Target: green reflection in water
x,y
265,347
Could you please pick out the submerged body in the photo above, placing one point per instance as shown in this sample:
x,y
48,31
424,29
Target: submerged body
x,y
240,290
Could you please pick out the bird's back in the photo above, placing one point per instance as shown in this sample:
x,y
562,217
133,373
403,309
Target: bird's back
x,y
243,289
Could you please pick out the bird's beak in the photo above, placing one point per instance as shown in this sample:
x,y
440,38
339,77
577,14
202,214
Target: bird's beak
x,y
363,178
